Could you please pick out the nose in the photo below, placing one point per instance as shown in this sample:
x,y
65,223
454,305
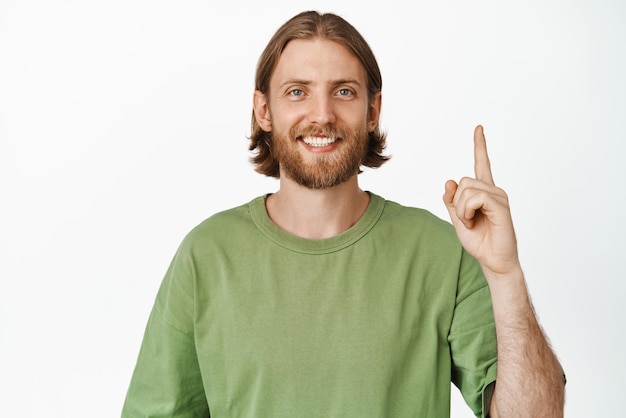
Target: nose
x,y
322,111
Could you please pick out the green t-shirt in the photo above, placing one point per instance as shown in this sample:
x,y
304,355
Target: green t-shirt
x,y
251,321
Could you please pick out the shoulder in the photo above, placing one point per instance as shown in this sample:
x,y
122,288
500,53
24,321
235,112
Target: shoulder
x,y
225,226
413,219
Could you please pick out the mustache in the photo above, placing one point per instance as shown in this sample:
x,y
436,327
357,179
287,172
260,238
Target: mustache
x,y
299,132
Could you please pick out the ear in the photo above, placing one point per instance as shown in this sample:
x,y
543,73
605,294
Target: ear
x,y
262,111
374,112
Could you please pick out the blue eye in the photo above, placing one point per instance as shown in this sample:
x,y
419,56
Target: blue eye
x,y
296,92
345,92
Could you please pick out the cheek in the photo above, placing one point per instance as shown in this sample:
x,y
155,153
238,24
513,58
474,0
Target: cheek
x,y
356,114
285,117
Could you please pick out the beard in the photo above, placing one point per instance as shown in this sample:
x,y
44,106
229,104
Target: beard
x,y
325,170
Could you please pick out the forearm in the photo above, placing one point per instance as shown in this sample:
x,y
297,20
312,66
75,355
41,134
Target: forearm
x,y
530,380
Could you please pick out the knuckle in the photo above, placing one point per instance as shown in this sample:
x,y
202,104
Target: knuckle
x,y
464,181
502,193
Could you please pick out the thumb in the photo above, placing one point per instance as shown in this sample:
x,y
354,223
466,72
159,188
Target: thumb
x,y
448,200
448,197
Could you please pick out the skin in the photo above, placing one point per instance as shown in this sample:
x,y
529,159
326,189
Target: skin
x,y
529,379
316,83
319,83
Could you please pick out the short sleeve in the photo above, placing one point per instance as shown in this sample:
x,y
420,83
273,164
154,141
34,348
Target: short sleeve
x,y
166,381
472,338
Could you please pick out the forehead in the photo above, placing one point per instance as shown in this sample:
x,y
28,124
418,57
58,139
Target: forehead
x,y
318,60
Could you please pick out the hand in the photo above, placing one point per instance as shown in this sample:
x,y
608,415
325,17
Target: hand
x,y
481,215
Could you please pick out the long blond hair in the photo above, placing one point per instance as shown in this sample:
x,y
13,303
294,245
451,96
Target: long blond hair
x,y
307,25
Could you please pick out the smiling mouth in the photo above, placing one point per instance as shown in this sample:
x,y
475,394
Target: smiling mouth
x,y
315,141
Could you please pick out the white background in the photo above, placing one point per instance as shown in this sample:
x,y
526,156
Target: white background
x,y
123,124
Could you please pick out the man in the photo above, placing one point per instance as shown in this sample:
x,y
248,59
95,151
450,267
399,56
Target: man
x,y
323,300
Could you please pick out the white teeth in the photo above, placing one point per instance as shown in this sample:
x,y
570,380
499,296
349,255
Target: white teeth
x,y
317,141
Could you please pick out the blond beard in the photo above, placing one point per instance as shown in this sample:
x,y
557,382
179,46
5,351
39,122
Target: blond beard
x,y
324,171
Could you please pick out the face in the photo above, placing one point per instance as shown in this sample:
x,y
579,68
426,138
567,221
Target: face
x,y
318,112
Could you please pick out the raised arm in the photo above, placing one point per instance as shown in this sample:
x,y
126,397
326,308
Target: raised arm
x,y
530,381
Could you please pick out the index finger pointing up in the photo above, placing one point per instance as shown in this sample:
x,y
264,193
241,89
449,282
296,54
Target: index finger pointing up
x,y
482,166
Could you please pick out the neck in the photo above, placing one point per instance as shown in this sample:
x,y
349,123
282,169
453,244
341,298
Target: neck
x,y
317,214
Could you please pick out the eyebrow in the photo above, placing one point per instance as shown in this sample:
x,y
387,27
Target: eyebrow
x,y
295,81
344,81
